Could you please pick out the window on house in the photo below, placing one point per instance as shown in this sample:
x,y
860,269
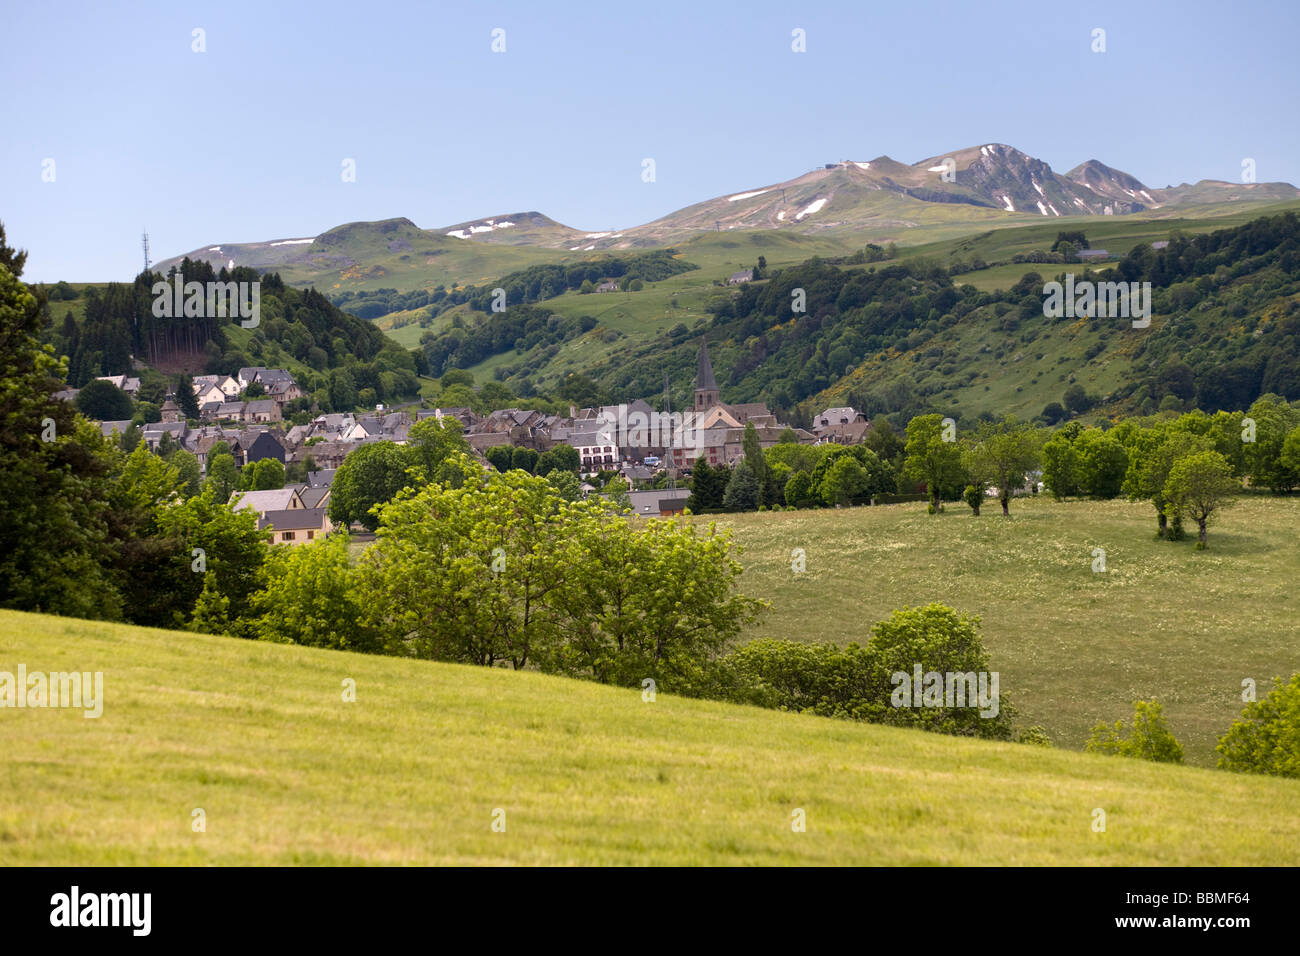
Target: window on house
x,y
288,536
310,535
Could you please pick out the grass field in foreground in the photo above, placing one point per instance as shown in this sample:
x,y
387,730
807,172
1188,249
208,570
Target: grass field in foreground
x,y
1073,647
257,735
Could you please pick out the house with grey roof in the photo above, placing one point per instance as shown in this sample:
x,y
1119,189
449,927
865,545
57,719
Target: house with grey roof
x,y
295,525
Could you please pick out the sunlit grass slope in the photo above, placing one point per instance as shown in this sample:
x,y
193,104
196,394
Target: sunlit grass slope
x,y
259,737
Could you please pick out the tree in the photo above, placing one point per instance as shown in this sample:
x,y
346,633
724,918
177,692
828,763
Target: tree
x,y
799,491
369,476
54,467
1076,400
1199,485
218,562
307,596
524,459
499,457
546,464
463,574
944,641
1290,457
1274,421
264,475
103,401
1149,737
566,484
973,496
616,492
1061,463
708,486
1053,413
223,477
567,457
1152,456
186,399
844,481
1266,737
1102,463
255,390
657,600
1000,455
431,442
884,441
931,459
742,489
188,474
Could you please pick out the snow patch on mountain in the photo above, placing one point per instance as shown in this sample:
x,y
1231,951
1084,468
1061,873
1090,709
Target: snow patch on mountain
x,y
813,207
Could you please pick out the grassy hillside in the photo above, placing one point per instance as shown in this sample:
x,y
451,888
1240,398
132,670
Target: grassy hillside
x,y
286,772
1073,647
975,365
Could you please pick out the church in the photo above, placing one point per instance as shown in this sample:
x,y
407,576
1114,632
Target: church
x,y
713,429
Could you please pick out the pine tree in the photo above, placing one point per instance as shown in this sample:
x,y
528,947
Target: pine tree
x,y
185,397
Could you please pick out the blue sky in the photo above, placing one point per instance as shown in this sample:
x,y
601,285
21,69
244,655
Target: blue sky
x,y
245,142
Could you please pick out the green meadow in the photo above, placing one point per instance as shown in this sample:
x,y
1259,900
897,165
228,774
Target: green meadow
x,y
415,770
1073,646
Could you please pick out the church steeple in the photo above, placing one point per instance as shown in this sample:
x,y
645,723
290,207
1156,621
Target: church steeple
x,y
706,386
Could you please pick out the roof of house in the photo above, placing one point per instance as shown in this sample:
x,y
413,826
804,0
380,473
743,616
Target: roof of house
x,y
297,519
277,499
321,479
260,407
107,428
312,497
652,502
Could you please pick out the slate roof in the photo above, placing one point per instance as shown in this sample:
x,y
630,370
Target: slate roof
x,y
298,519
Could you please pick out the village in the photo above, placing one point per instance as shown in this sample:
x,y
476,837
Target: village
x,y
651,449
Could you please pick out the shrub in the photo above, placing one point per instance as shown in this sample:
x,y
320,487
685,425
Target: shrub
x,y
1266,737
1148,739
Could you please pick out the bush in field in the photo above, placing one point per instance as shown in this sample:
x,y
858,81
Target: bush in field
x,y
1148,739
860,682
803,677
937,639
1266,738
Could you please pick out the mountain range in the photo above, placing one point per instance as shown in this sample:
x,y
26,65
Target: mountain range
x,y
880,198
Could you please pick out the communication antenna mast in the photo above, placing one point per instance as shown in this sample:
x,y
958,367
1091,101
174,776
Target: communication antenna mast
x,y
145,243
668,418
